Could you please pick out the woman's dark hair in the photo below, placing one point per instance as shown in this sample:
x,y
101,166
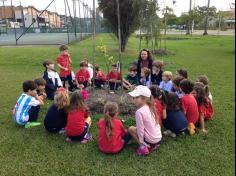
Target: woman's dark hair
x,y
158,93
186,86
149,55
183,73
173,102
201,93
77,101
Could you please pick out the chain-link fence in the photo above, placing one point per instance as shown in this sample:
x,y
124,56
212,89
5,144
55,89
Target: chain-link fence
x,y
28,22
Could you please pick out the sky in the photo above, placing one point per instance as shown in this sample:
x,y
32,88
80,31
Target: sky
x,y
179,7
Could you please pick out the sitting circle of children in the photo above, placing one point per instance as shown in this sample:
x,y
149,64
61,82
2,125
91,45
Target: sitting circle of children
x,y
177,105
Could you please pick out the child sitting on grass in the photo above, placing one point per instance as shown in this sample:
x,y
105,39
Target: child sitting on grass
x,y
160,102
189,105
157,72
166,83
64,63
205,107
204,79
182,73
53,81
27,100
176,89
114,78
34,110
78,120
100,77
82,77
113,137
145,77
56,117
147,132
131,80
175,122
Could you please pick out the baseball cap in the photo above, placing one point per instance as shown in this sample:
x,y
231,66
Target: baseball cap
x,y
141,91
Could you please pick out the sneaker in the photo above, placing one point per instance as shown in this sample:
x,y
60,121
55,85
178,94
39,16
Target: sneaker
x,y
62,131
169,133
32,124
68,139
88,137
142,151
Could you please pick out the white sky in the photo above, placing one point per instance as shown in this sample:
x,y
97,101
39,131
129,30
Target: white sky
x,y
179,7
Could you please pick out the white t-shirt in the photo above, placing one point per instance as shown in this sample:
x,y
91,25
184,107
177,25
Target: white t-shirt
x,y
54,75
90,69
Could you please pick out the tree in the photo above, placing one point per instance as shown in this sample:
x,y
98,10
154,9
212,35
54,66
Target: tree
x,y
129,17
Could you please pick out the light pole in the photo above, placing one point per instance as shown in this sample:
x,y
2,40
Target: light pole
x,y
206,20
94,39
188,25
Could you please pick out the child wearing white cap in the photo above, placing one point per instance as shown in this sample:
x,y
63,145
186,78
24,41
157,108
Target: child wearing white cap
x,y
147,132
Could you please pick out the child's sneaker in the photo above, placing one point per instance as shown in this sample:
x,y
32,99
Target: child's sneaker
x,y
88,137
62,131
169,133
68,139
143,151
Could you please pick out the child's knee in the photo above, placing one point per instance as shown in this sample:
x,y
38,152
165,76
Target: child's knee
x,y
132,129
89,121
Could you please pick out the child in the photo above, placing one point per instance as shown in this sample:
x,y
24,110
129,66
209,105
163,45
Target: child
x,y
205,107
176,89
100,77
34,110
189,105
90,68
147,132
82,77
78,120
56,118
53,81
114,78
182,73
160,102
131,80
64,63
157,72
166,83
204,79
145,77
175,122
27,100
113,137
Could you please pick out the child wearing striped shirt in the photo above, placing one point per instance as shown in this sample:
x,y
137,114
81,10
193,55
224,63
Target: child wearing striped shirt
x,y
28,99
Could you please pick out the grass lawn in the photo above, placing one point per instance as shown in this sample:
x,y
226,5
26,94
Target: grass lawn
x,y
34,152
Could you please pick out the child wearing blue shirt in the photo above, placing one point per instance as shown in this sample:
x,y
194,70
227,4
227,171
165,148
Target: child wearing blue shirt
x,y
166,83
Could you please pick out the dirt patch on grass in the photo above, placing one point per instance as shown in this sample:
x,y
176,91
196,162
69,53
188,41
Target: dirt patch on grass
x,y
98,98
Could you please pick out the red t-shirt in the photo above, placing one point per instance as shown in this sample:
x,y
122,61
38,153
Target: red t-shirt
x,y
208,110
63,60
114,144
100,76
159,108
82,76
190,108
113,75
75,122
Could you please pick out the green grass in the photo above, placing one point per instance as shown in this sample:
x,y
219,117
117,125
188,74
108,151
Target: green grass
x,y
34,152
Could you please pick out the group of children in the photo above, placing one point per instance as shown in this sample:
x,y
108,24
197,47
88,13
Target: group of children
x,y
177,105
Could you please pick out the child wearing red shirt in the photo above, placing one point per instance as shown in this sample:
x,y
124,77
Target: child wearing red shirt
x,y
189,105
114,78
78,121
113,137
205,107
100,77
160,102
64,63
82,77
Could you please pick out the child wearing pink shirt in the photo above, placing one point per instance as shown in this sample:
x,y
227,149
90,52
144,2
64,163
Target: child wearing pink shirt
x,y
147,132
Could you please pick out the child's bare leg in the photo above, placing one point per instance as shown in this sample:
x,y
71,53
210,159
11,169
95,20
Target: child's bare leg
x,y
202,123
89,121
133,132
66,85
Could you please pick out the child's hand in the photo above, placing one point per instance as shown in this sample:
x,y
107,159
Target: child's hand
x,y
14,112
65,69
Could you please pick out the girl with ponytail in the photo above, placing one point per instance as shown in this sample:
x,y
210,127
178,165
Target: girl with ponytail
x,y
113,137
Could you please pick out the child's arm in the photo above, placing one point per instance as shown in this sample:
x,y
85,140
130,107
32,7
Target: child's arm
x,y
40,99
63,68
202,123
164,114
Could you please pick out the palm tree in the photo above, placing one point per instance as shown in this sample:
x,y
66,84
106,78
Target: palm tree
x,y
206,20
